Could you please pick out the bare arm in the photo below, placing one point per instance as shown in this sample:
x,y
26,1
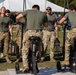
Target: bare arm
x,y
19,17
62,20
56,26
56,30
10,30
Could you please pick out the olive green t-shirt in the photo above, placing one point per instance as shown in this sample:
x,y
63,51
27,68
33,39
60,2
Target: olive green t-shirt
x,y
72,17
35,19
51,21
4,24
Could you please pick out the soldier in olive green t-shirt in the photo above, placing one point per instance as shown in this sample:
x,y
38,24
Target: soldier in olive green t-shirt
x,y
5,29
49,33
4,24
71,16
35,19
34,22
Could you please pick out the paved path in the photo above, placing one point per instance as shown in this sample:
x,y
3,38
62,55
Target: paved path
x,y
43,71
4,73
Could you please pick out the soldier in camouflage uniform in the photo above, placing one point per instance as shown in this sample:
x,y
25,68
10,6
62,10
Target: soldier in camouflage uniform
x,y
19,36
5,28
35,20
50,33
71,16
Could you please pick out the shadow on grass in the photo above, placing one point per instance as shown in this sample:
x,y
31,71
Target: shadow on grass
x,y
47,58
2,60
12,58
56,57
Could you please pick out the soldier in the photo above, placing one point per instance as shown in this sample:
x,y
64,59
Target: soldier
x,y
8,13
71,16
50,33
5,28
19,35
35,20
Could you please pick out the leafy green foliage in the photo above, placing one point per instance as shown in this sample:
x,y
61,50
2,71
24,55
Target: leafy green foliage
x,y
61,2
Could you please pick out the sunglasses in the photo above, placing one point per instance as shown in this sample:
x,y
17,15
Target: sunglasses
x,y
48,9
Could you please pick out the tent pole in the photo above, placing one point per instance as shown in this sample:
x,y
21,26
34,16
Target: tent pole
x,y
64,33
24,5
45,4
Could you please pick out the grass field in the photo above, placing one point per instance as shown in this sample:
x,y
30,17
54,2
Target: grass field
x,y
46,63
5,66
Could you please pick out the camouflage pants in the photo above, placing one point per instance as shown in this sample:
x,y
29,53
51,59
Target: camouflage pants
x,y
18,40
49,37
27,43
69,38
18,36
4,39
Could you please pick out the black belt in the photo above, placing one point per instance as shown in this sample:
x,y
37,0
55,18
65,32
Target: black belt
x,y
34,29
49,30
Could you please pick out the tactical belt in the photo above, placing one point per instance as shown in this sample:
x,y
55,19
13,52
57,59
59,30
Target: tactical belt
x,y
34,30
48,30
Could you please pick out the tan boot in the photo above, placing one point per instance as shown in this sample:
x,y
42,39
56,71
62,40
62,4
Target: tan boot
x,y
8,60
25,69
65,62
52,60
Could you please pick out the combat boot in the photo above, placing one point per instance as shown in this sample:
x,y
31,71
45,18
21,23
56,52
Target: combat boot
x,y
65,62
1,55
25,69
52,60
8,60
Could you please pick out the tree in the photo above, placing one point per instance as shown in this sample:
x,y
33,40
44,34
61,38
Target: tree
x,y
61,2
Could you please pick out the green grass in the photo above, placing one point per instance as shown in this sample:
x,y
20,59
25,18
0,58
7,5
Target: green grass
x,y
61,37
5,66
47,63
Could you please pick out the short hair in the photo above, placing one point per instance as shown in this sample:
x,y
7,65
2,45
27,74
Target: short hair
x,y
7,11
72,7
49,8
36,6
3,7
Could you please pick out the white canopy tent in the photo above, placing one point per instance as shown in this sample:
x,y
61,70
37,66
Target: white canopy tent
x,y
12,5
30,3
19,5
44,4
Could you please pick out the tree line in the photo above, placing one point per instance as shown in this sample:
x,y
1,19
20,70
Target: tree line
x,y
61,2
